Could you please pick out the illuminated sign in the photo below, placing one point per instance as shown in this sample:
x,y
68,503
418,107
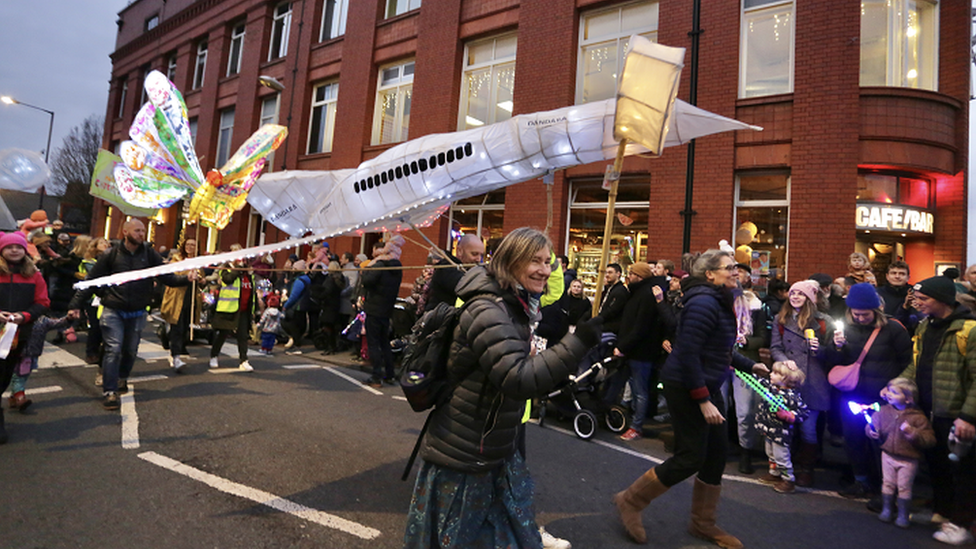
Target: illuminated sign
x,y
893,217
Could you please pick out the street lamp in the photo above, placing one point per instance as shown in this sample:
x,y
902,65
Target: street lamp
x,y
47,151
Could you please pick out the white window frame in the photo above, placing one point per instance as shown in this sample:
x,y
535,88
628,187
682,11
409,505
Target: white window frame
x,y
236,51
270,119
334,26
171,67
896,53
739,203
495,65
123,93
326,108
193,124
746,15
152,22
200,67
143,94
402,85
465,208
280,27
225,135
621,38
399,7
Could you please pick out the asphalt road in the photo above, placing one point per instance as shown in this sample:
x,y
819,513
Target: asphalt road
x,y
299,454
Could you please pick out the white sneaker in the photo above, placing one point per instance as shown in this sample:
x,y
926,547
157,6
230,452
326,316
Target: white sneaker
x,y
213,363
291,341
953,535
245,367
550,541
293,352
178,364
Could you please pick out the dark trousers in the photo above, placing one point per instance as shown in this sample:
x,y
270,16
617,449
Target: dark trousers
x,y
296,322
7,366
243,335
178,332
378,342
953,482
93,342
862,453
698,447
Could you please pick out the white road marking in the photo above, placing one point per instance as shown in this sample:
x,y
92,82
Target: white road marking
x,y
151,352
143,379
227,371
230,349
263,498
130,420
302,366
56,357
398,397
352,380
38,391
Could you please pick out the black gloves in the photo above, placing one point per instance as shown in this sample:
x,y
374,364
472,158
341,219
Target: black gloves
x,y
590,331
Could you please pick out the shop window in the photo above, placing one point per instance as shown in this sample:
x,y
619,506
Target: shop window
x,y
391,120
322,125
890,189
488,82
236,48
762,225
333,19
280,29
900,43
604,37
766,48
587,218
481,215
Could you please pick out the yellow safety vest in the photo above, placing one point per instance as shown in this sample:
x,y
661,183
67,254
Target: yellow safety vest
x,y
229,298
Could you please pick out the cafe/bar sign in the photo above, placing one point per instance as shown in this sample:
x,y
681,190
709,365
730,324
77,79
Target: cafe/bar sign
x,y
893,217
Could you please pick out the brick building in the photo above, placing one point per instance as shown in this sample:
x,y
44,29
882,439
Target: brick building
x,y
864,105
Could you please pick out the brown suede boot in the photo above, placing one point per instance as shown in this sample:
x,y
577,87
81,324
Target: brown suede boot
x,y
704,501
633,500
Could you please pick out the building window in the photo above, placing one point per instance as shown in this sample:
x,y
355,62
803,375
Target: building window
x,y
604,37
193,129
171,67
396,7
333,19
890,189
322,125
900,43
391,120
487,82
280,27
762,208
587,216
236,47
125,90
224,136
766,48
201,65
152,22
482,216
269,115
144,95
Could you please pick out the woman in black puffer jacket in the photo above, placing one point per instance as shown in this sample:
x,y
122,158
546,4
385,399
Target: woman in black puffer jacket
x,y
473,489
697,367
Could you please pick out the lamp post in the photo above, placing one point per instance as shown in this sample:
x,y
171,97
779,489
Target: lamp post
x,y
50,129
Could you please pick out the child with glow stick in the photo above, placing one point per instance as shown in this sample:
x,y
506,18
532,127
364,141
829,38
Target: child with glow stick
x,y
777,426
903,432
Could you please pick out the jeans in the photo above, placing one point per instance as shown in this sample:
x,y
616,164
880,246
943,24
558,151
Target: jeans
x,y
268,340
698,447
640,374
378,342
745,412
808,427
121,337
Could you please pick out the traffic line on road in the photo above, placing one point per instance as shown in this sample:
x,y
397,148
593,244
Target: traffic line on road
x,y
130,420
151,352
230,349
352,380
143,379
302,366
38,391
56,357
263,498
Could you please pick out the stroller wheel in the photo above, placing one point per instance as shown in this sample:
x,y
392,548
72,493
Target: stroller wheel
x,y
584,424
616,418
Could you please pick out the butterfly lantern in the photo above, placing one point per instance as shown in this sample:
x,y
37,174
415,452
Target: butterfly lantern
x,y
159,165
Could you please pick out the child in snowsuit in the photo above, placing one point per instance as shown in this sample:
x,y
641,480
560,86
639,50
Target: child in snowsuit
x,y
777,426
270,323
903,432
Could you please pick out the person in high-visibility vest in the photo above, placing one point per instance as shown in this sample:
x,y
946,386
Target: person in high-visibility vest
x,y
236,303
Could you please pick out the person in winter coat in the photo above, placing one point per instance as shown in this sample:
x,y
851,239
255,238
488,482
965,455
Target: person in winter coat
x,y
578,307
777,426
23,298
753,335
944,368
888,356
693,374
330,292
297,307
639,341
236,305
382,287
176,307
473,489
443,283
614,299
897,303
797,339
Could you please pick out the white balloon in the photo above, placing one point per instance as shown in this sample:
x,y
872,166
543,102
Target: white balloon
x,y
22,170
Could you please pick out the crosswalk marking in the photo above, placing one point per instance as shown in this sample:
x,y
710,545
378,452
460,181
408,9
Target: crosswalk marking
x,y
352,380
151,352
302,366
130,420
56,357
38,391
230,349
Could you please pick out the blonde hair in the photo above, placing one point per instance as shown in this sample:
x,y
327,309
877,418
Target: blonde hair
x,y
514,254
862,257
92,251
907,386
81,245
792,377
27,267
880,318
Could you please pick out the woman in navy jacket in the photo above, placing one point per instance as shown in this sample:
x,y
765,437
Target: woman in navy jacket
x,y
697,367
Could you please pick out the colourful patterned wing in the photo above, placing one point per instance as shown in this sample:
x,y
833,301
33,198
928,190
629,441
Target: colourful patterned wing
x,y
143,132
172,126
144,192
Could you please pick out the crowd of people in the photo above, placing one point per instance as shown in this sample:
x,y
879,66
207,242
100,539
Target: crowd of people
x,y
884,370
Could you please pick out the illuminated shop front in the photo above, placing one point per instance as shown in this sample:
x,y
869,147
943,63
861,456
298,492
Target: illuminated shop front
x,y
895,221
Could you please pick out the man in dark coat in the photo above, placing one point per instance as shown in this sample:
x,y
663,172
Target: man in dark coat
x,y
615,296
639,340
443,284
895,294
382,286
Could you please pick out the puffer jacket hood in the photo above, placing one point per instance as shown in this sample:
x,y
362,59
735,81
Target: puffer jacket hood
x,y
494,372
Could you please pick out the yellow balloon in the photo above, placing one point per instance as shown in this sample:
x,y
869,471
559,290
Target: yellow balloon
x,y
743,254
743,237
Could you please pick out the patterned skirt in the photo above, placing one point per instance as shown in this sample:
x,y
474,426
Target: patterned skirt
x,y
451,509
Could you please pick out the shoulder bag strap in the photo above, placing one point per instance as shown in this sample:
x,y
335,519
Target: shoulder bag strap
x,y
867,346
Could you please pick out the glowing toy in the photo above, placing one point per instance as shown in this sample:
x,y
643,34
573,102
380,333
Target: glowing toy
x,y
864,409
775,402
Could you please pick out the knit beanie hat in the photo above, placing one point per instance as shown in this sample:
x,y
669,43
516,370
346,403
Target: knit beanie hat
x,y
17,238
809,288
938,288
299,265
272,300
863,296
641,269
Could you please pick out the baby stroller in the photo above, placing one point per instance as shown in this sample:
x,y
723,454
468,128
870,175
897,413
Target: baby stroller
x,y
594,391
